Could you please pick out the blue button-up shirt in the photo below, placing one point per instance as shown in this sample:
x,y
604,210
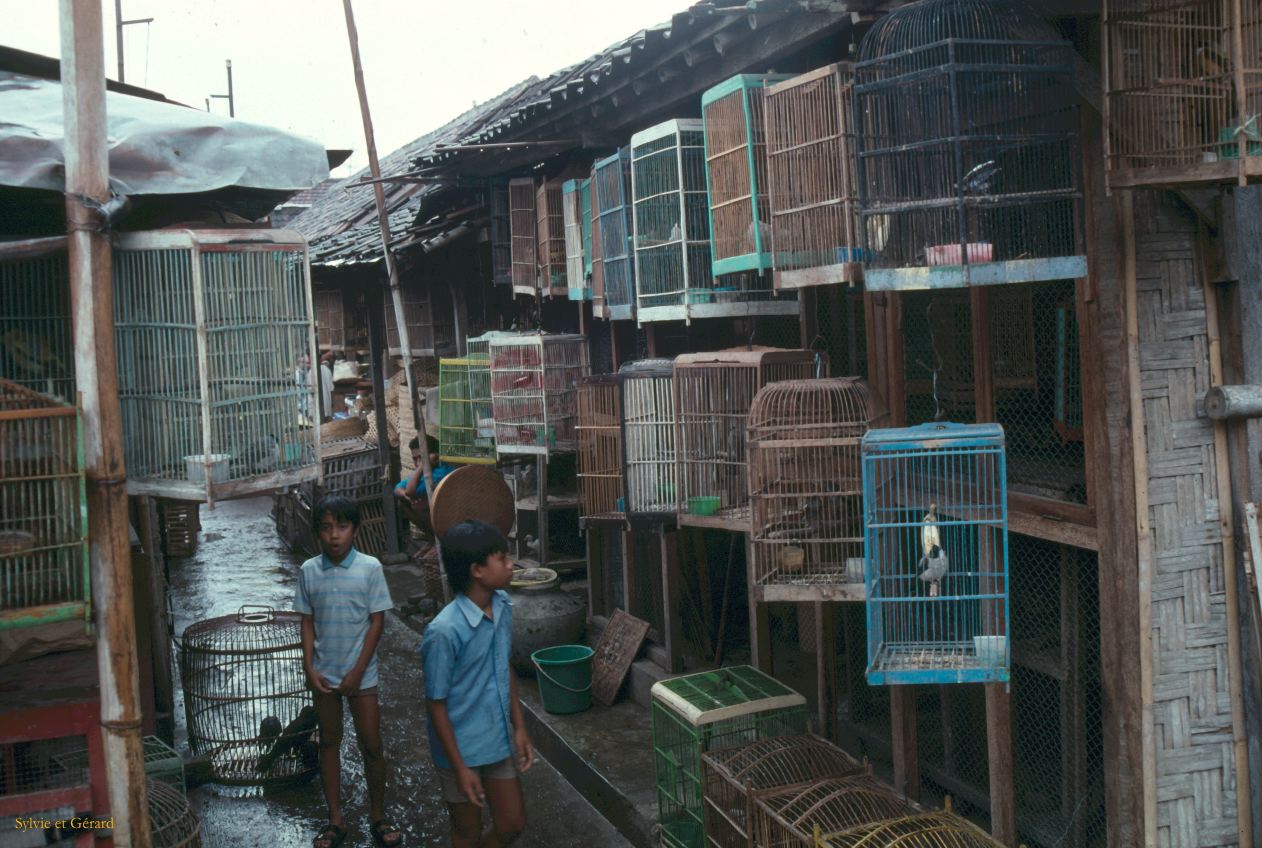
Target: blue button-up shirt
x,y
464,654
341,597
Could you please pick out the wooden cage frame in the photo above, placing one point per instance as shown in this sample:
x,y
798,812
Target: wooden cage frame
x,y
550,254
430,320
521,228
611,205
534,378
575,253
601,463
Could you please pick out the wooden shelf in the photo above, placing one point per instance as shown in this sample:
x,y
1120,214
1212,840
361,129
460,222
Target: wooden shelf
x,y
562,501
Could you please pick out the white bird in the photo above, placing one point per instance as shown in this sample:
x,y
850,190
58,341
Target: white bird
x,y
933,559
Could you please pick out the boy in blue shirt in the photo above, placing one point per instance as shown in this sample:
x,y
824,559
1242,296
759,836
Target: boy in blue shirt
x,y
477,733
342,597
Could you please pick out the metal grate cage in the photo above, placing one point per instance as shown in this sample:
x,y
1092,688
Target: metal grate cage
x,y
246,699
466,427
806,490
936,540
550,232
533,391
713,396
703,712
611,202
44,572
36,348
501,241
811,814
734,778
210,325
575,255
600,450
812,187
969,169
521,228
330,318
172,823
1183,89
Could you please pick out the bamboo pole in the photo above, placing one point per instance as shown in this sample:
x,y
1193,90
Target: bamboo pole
x,y
96,372
383,219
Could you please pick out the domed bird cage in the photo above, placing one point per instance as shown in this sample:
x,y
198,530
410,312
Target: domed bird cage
x,y
534,379
501,240
1183,90
611,202
521,230
806,489
550,231
969,168
799,815
734,778
713,396
172,823
246,699
941,829
935,508
600,459
812,187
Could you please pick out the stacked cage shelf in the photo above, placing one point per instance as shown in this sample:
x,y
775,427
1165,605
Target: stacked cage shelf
x,y
812,185
534,380
550,232
521,229
806,489
36,349
209,326
969,169
1183,90
713,396
611,202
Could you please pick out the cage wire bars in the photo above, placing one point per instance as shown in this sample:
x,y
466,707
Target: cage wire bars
x,y
533,391
521,228
969,168
611,202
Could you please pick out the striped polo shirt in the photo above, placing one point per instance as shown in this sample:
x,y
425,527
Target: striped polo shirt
x,y
341,597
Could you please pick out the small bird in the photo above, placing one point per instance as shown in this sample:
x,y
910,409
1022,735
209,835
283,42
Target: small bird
x,y
977,180
933,567
1213,62
532,546
295,733
269,732
675,233
929,535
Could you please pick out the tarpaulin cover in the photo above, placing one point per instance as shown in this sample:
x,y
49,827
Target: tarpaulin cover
x,y
155,148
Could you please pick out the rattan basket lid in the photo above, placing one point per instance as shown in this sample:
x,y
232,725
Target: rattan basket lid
x,y
472,491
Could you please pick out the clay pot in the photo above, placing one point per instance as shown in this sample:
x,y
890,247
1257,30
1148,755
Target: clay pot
x,y
543,615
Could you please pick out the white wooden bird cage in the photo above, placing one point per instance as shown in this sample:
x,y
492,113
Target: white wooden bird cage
x,y
806,489
1183,91
534,379
210,325
601,466
575,254
521,229
713,396
330,317
812,186
550,232
44,574
430,320
611,203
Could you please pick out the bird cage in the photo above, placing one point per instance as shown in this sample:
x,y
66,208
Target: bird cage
x,y
936,513
1068,395
575,257
704,712
501,240
172,823
648,416
734,778
809,814
601,482
969,169
550,232
44,574
812,187
533,391
587,220
736,173
350,468
163,764
36,345
1183,89
330,318
806,489
596,262
430,321
611,201
210,325
466,428
713,396
521,228
246,701
942,829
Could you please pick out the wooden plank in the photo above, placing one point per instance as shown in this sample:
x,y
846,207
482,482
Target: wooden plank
x,y
759,621
1003,806
673,636
597,574
615,651
903,741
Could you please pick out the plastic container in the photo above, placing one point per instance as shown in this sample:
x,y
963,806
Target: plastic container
x,y
991,650
565,678
195,468
703,504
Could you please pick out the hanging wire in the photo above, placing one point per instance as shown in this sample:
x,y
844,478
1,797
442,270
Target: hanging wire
x,y
938,364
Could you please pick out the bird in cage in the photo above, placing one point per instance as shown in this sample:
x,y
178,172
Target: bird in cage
x,y
269,732
978,179
292,737
933,559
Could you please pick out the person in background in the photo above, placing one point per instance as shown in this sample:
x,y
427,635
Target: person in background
x,y
410,494
326,386
302,379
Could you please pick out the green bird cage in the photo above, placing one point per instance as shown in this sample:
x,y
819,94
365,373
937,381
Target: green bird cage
x,y
702,712
466,428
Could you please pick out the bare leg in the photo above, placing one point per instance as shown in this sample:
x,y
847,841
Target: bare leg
x,y
466,825
329,714
508,812
367,716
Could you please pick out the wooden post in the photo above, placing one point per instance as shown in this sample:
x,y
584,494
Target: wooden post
x,y
903,741
377,344
1003,808
670,601
541,517
96,375
759,620
1233,402
597,574
826,667
629,594
160,625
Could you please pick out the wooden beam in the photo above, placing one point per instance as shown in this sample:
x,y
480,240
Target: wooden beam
x,y
1003,807
903,741
759,621
671,600
1233,402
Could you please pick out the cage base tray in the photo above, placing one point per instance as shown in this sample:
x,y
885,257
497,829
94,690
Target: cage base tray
x,y
943,662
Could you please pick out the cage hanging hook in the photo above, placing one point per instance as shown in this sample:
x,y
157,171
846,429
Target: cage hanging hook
x,y
937,363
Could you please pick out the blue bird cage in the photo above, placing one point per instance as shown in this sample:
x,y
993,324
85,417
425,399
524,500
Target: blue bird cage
x,y
576,268
611,199
936,538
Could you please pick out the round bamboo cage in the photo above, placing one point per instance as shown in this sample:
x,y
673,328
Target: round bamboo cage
x,y
172,823
829,806
806,486
941,829
246,698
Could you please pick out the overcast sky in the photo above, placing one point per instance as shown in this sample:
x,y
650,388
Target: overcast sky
x,y
425,61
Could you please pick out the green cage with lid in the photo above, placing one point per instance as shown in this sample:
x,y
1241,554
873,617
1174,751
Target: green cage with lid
x,y
699,713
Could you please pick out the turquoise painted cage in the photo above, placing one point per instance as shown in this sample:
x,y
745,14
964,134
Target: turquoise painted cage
x,y
611,199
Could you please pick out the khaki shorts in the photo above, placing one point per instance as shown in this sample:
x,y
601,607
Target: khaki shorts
x,y
505,769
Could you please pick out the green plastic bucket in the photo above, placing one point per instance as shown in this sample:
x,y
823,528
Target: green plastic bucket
x,y
565,678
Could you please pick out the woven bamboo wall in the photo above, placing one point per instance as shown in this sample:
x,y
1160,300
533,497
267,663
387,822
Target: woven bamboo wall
x,y
1196,790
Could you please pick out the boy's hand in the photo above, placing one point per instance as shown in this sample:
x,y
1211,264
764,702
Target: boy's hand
x,y
471,785
318,682
350,683
525,751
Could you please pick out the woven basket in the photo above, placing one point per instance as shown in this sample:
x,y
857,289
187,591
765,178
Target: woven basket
x,y
343,428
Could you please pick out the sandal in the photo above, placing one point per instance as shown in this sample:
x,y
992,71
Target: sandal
x,y
386,834
330,836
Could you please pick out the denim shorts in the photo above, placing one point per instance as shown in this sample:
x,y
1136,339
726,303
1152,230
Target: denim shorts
x,y
505,769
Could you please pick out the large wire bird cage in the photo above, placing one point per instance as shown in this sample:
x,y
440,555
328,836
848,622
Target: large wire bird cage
x,y
713,396
601,481
466,424
550,232
246,700
936,540
575,258
810,814
1183,90
521,229
534,379
44,574
330,319
501,239
736,173
429,317
703,712
210,326
812,186
969,170
36,348
806,490
734,778
611,202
